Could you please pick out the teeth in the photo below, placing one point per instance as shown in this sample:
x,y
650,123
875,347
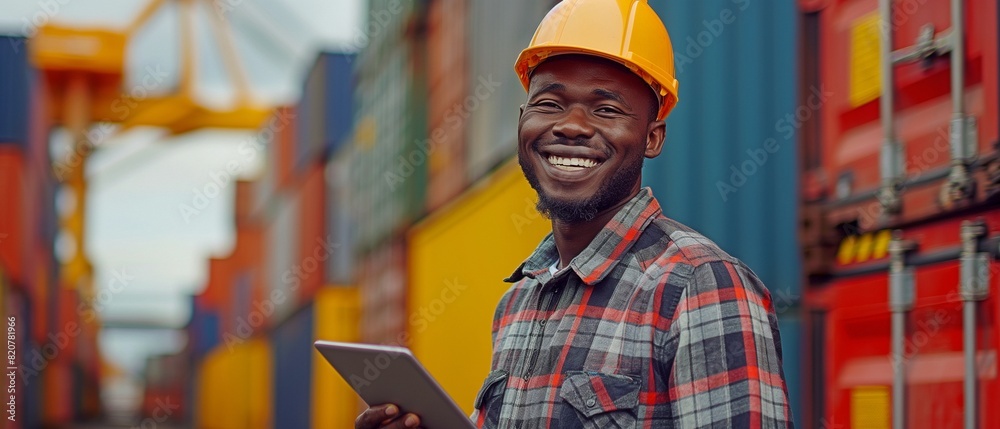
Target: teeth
x,y
571,162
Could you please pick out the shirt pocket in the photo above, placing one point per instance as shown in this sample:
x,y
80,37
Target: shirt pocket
x,y
600,400
490,399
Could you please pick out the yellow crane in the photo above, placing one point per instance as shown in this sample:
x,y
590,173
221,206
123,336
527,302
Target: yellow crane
x,y
84,72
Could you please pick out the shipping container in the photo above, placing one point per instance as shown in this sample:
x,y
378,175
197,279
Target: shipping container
x,y
447,88
899,219
292,346
165,380
27,356
382,285
325,116
11,221
704,176
501,30
341,226
337,316
486,233
315,244
389,165
235,387
729,164
203,330
15,73
275,142
282,255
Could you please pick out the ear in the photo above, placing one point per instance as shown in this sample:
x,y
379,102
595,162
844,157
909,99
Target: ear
x,y
656,132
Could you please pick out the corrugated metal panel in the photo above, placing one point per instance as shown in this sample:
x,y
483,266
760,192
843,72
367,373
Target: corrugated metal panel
x,y
457,299
341,228
735,88
446,91
719,171
337,314
502,30
292,347
388,172
14,72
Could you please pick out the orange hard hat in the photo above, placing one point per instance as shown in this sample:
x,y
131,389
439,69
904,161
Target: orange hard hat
x,y
625,31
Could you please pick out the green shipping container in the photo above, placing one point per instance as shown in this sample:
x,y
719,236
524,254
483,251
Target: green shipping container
x,y
389,156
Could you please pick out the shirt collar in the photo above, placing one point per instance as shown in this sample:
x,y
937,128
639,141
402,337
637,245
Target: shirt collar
x,y
602,254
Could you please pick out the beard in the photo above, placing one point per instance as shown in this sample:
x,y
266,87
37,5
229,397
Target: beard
x,y
611,192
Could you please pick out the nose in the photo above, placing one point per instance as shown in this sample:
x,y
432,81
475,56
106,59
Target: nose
x,y
573,125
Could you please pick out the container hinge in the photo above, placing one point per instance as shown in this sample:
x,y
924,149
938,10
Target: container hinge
x,y
901,290
891,166
975,266
902,285
964,135
928,45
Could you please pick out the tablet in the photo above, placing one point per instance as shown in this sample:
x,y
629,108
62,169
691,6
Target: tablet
x,y
392,375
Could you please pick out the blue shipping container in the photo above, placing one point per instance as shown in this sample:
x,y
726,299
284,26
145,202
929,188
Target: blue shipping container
x,y
729,164
325,117
203,330
793,349
14,72
291,343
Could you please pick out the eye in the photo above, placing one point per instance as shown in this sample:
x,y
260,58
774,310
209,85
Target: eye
x,y
609,110
546,103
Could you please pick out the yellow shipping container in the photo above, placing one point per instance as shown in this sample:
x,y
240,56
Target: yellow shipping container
x,y
234,387
458,258
334,403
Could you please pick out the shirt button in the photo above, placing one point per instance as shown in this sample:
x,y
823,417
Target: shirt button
x,y
541,323
591,402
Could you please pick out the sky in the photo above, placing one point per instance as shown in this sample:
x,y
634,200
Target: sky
x,y
140,179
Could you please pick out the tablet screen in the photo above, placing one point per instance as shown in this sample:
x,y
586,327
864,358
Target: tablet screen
x,y
392,375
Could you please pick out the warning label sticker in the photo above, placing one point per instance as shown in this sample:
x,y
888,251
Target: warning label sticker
x,y
866,73
870,407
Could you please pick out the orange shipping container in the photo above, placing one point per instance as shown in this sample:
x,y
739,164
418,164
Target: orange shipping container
x,y
315,246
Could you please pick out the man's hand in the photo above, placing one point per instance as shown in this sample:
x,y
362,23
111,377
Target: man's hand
x,y
385,416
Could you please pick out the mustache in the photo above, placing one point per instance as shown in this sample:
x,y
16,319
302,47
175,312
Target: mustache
x,y
538,144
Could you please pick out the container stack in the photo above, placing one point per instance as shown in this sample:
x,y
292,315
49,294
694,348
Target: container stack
x,y
54,329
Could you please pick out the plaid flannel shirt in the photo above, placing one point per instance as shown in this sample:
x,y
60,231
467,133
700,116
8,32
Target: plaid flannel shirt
x,y
651,326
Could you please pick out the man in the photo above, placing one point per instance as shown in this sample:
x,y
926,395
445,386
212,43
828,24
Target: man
x,y
621,317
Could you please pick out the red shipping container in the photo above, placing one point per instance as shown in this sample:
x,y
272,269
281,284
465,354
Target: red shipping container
x,y
884,225
12,231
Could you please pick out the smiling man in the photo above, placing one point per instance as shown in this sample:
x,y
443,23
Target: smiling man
x,y
621,317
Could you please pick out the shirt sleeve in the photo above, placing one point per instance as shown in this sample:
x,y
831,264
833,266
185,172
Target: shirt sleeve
x,y
726,364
